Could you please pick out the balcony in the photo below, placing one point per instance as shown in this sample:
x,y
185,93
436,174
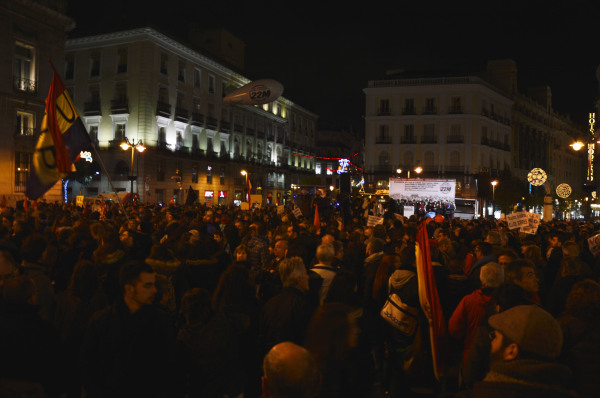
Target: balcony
x,y
119,105
383,140
238,128
383,112
212,123
197,119
25,132
163,109
453,110
409,111
24,85
455,139
181,114
225,126
408,140
182,150
92,108
430,110
429,140
197,152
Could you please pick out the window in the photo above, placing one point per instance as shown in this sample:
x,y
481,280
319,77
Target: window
x,y
24,72
456,106
122,60
223,89
22,166
222,176
181,71
93,132
384,159
95,64
409,134
409,106
69,67
211,84
164,62
121,92
195,173
24,123
120,131
329,168
430,105
209,174
317,168
160,170
384,135
429,133
384,107
197,78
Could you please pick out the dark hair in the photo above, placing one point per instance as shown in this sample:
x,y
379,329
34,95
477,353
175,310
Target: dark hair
x,y
131,271
328,332
514,271
343,289
486,248
195,306
33,247
234,288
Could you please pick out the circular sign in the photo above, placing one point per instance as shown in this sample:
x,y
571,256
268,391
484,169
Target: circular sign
x,y
563,190
537,177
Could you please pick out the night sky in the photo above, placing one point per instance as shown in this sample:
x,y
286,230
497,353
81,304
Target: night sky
x,y
324,55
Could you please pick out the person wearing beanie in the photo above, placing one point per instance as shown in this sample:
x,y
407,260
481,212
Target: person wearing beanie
x,y
526,342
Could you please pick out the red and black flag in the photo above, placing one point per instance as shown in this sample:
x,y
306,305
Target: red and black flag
x,y
63,136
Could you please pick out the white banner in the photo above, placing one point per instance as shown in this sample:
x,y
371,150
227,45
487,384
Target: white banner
x,y
533,224
517,220
374,220
422,190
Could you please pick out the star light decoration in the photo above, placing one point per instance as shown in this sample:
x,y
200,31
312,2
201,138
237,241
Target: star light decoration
x,y
563,190
537,177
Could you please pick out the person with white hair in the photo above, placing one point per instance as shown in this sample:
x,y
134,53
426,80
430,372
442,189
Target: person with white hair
x,y
471,310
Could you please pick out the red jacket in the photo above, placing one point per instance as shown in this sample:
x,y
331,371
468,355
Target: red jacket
x,y
467,316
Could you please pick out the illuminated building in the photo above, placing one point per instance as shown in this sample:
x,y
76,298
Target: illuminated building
x,y
463,127
32,34
144,85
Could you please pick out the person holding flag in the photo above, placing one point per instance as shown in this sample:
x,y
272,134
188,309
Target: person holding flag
x,y
63,136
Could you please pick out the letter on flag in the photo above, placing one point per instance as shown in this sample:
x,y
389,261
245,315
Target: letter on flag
x,y
62,137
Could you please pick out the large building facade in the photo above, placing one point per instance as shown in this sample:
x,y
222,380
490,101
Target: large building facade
x,y
31,34
462,127
142,85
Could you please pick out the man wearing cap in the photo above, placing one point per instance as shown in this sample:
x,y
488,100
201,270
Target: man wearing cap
x,y
525,344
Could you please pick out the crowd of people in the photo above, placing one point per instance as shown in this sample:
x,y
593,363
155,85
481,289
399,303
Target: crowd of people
x,y
190,301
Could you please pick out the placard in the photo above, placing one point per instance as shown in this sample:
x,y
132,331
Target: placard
x,y
594,244
280,209
297,212
256,199
517,220
374,220
79,200
244,206
533,224
409,211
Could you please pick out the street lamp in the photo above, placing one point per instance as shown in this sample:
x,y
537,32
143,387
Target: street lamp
x,y
494,183
126,145
245,174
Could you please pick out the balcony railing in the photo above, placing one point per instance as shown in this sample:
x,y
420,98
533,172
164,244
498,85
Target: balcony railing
x,y
211,122
25,132
119,105
24,85
409,111
181,114
92,108
429,140
429,110
383,140
383,112
197,119
163,109
408,140
455,110
455,139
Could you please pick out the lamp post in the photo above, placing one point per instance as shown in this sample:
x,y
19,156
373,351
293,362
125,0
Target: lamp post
x,y
494,183
245,174
126,145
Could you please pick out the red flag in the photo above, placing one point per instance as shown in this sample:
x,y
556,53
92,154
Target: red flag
x,y
430,301
3,203
63,162
317,220
26,204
